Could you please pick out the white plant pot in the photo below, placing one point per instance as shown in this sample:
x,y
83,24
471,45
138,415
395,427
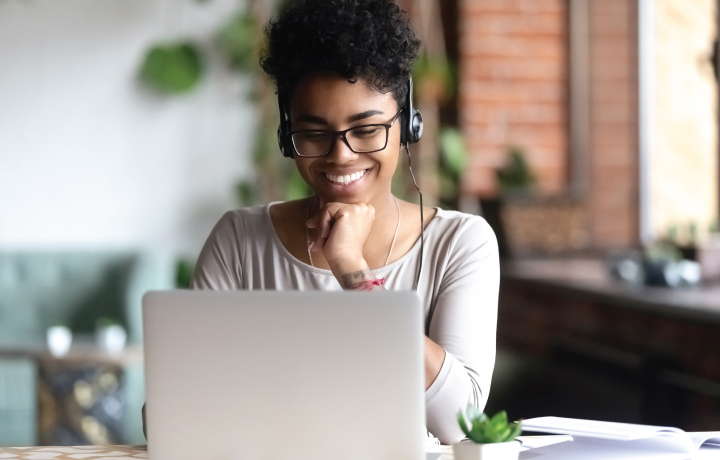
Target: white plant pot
x,y
111,339
468,450
59,339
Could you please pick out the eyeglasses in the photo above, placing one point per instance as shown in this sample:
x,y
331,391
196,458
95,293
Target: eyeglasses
x,y
313,143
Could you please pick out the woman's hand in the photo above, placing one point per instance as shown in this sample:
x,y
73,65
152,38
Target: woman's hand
x,y
342,230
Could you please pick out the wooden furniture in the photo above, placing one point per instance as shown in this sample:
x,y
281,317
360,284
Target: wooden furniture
x,y
83,397
627,353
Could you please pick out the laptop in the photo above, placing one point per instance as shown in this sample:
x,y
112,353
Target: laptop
x,y
284,375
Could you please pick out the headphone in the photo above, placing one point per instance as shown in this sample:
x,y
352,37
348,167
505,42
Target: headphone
x,y
411,123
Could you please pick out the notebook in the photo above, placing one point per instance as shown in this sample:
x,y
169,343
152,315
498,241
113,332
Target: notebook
x,y
595,440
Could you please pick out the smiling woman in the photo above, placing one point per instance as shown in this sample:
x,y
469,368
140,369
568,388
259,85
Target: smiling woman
x,y
342,69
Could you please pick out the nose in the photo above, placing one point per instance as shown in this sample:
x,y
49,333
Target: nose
x,y
340,151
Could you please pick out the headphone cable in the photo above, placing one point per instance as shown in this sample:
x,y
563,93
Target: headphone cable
x,y
422,222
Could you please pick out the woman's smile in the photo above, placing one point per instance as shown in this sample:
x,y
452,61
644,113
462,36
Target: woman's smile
x,y
344,182
345,179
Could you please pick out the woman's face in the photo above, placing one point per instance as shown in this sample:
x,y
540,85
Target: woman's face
x,y
329,102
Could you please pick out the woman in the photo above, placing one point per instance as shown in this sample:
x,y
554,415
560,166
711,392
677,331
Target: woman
x,y
342,69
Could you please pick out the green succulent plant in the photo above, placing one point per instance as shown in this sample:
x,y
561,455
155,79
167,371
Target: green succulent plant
x,y
482,429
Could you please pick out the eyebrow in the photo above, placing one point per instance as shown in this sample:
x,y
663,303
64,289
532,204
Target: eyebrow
x,y
351,119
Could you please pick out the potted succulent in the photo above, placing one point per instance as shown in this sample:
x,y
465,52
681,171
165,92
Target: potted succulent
x,y
489,438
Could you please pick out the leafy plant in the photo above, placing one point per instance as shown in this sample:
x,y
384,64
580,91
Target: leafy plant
x,y
453,150
172,68
436,75
452,165
481,429
183,273
516,177
663,251
105,321
245,192
237,39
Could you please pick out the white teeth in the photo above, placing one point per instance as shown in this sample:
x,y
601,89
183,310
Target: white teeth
x,y
345,179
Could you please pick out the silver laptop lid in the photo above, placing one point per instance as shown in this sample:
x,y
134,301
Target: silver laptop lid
x,y
284,375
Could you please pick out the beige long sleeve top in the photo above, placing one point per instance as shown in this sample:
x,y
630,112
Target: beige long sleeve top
x,y
460,278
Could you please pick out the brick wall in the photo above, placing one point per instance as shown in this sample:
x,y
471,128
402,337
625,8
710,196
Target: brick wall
x,y
613,200
513,88
514,65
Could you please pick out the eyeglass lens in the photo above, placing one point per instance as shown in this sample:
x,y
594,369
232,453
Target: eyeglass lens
x,y
363,139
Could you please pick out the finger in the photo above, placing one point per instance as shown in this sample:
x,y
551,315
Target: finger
x,y
313,221
322,221
327,219
318,247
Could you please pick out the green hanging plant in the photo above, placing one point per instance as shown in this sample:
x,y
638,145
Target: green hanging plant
x,y
237,41
452,165
245,191
436,75
454,153
172,68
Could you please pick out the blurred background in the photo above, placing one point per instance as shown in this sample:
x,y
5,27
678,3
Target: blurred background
x,y
584,131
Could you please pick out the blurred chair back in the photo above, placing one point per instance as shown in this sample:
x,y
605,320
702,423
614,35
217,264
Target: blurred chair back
x,y
76,289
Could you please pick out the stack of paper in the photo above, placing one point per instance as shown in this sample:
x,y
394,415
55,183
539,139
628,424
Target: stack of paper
x,y
594,440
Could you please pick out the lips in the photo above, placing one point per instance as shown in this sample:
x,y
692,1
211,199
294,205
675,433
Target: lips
x,y
345,179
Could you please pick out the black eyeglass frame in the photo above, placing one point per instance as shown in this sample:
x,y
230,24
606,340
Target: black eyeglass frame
x,y
342,134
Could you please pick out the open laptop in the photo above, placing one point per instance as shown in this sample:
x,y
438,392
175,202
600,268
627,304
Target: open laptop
x,y
284,375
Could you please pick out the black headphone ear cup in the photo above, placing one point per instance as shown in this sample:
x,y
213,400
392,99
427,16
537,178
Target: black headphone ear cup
x,y
412,121
286,147
284,141
281,144
417,126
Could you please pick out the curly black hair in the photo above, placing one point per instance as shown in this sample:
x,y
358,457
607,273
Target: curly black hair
x,y
359,39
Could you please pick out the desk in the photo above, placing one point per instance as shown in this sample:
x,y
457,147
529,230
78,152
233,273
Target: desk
x,y
130,452
73,453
